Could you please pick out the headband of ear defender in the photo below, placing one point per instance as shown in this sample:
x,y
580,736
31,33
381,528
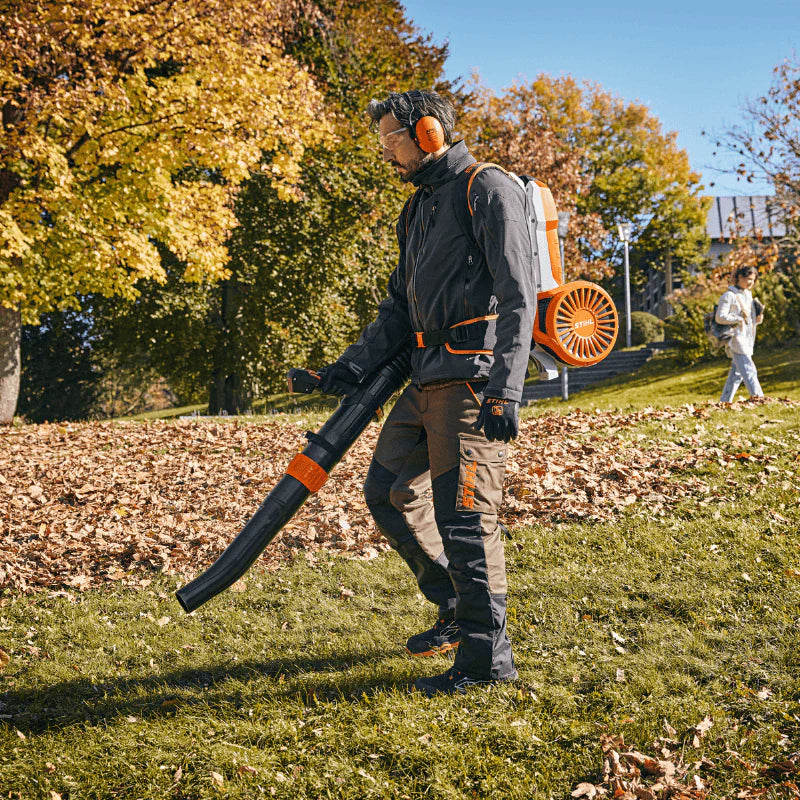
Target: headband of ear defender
x,y
426,131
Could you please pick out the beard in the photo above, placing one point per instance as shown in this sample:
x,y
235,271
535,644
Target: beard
x,y
409,171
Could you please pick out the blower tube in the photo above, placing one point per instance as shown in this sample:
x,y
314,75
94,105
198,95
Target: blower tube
x,y
307,472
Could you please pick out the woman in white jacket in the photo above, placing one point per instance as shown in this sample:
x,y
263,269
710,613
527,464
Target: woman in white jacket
x,y
737,307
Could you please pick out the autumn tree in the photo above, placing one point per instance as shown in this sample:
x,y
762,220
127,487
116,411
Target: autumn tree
x,y
306,276
127,126
768,143
606,161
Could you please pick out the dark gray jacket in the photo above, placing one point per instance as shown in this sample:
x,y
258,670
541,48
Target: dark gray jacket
x,y
453,268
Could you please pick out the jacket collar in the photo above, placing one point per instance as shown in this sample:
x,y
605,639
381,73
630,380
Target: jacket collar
x,y
450,164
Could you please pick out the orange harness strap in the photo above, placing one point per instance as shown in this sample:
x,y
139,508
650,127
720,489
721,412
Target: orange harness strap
x,y
451,335
474,170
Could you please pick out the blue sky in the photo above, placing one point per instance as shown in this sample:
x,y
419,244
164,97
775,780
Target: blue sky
x,y
694,64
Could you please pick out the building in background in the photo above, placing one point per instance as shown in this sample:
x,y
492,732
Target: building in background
x,y
728,217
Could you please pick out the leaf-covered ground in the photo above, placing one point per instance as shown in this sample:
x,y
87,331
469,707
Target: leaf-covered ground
x,y
82,505
654,608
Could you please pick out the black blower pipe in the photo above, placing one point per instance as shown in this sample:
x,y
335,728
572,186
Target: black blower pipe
x,y
306,474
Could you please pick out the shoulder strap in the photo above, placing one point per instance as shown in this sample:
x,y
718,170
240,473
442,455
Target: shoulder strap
x,y
473,171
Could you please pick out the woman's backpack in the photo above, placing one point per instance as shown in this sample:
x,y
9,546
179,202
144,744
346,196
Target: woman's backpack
x,y
718,334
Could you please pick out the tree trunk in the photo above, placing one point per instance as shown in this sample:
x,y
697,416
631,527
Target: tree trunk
x,y
666,307
10,338
225,393
668,275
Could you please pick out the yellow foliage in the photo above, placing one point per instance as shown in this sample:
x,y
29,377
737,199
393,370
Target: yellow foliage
x,y
127,124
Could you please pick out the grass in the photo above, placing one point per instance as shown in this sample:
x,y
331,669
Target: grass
x,y
663,381
266,408
294,689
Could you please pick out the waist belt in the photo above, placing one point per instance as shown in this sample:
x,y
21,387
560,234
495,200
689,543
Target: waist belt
x,y
459,333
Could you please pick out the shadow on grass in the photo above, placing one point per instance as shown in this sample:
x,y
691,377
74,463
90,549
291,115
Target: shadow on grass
x,y
62,704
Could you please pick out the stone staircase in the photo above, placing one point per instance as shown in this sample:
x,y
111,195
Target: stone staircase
x,y
617,363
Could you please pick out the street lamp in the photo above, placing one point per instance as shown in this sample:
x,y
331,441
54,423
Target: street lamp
x,y
563,225
625,230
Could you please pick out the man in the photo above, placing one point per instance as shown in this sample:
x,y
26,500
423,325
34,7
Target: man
x,y
462,295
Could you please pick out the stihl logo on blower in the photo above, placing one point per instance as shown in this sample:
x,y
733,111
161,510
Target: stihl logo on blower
x,y
576,323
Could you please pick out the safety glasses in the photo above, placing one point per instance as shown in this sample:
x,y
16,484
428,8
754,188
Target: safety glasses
x,y
382,140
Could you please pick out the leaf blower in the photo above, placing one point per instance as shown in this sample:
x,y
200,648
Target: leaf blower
x,y
306,473
576,323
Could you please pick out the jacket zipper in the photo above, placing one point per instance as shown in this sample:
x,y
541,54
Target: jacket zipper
x,y
466,285
419,252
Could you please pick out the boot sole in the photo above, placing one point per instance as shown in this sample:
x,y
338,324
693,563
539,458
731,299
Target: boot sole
x,y
434,651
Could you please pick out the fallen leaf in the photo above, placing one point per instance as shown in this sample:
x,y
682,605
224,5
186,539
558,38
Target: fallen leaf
x,y
246,769
587,790
5,659
700,730
217,780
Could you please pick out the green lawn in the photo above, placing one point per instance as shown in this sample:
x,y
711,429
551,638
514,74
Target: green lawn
x,y
296,689
662,381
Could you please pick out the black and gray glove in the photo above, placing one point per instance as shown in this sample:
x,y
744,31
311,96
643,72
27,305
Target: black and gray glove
x,y
337,379
499,419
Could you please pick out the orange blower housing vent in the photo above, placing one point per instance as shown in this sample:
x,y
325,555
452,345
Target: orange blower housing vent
x,y
576,323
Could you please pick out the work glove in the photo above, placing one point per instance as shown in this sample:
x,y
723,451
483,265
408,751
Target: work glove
x,y
499,419
337,379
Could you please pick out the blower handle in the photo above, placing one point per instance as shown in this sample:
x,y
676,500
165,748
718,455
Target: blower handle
x,y
303,381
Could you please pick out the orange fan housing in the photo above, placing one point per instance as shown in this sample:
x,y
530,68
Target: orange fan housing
x,y
576,323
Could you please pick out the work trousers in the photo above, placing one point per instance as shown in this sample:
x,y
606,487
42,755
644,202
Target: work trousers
x,y
742,369
434,488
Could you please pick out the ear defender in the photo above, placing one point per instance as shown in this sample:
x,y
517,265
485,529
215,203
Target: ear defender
x,y
427,131
429,134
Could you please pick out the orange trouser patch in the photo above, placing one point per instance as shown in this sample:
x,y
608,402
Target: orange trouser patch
x,y
468,495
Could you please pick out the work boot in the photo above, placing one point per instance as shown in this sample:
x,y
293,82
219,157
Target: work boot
x,y
454,682
443,636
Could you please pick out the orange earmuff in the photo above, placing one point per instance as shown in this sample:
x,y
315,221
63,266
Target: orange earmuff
x,y
429,134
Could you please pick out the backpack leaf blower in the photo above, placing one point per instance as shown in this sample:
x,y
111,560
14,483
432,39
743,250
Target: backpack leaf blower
x,y
576,323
